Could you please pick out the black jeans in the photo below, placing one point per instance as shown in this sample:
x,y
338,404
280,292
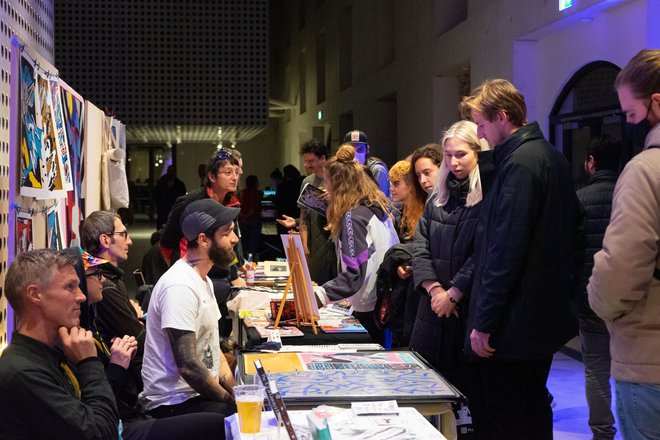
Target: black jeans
x,y
188,426
369,323
514,402
194,405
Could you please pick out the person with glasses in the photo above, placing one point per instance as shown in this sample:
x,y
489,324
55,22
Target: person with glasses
x,y
116,354
105,236
223,172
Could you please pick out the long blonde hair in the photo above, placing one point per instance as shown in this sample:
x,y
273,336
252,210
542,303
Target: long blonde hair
x,y
413,205
465,131
351,187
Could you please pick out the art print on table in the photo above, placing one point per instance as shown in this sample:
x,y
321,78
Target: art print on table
x,y
387,360
32,184
60,133
53,231
51,164
24,238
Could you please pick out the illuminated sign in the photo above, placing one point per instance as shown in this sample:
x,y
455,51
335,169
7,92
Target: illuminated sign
x,y
565,4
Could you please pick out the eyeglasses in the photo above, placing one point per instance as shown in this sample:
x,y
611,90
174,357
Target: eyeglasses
x,y
98,274
122,233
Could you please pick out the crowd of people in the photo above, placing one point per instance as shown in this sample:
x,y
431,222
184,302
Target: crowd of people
x,y
476,252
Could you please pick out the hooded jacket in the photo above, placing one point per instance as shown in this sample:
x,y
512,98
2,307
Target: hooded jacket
x,y
624,289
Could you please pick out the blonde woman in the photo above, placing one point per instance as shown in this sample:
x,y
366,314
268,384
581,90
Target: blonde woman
x,y
442,249
362,229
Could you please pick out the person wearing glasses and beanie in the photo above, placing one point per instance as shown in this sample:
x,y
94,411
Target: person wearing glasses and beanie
x,y
105,236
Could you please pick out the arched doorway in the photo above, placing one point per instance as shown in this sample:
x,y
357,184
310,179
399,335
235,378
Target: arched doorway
x,y
587,107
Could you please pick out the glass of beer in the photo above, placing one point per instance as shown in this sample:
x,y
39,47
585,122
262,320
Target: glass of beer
x,y
249,401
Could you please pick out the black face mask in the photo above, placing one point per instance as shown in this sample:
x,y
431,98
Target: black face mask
x,y
638,132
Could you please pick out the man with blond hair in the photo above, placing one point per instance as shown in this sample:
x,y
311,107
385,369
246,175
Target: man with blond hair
x,y
52,384
624,288
526,263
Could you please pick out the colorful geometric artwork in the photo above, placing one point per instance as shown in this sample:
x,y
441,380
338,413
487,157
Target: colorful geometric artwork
x,y
24,241
51,164
72,106
31,180
60,133
53,229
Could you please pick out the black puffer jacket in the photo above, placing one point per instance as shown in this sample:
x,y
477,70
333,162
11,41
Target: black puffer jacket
x,y
529,256
596,199
443,249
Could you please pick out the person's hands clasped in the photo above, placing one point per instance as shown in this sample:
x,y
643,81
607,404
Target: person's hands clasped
x,y
480,344
123,350
404,271
77,344
441,303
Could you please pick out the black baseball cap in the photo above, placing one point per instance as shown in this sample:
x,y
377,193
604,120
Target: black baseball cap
x,y
355,137
202,215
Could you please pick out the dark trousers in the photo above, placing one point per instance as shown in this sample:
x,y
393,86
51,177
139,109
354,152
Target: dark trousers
x,y
194,405
596,357
513,403
368,321
183,427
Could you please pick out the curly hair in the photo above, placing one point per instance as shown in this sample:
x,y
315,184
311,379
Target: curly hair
x,y
413,205
351,187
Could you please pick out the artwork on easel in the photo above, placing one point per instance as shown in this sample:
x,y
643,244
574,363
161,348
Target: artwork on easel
x,y
24,241
300,282
60,134
32,184
53,230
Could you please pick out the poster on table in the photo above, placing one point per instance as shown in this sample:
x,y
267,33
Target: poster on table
x,y
24,241
53,229
60,133
51,165
72,112
31,179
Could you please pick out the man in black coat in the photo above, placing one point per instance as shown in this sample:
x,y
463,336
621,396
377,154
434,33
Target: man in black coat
x,y
526,259
601,165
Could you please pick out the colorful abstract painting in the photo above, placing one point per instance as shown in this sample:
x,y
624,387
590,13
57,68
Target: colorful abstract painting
x,y
72,112
32,184
51,165
53,230
24,241
60,134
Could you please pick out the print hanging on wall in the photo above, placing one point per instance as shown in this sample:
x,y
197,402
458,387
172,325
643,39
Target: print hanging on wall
x,y
53,231
51,166
60,133
23,232
72,106
31,159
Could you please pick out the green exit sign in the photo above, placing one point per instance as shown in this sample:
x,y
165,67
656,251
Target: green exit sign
x,y
565,4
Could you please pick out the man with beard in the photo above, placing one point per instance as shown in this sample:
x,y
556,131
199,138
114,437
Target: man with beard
x,y
183,370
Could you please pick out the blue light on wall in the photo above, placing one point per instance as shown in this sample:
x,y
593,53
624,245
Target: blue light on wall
x,y
565,4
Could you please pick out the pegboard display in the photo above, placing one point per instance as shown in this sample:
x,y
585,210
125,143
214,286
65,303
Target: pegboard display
x,y
33,22
168,62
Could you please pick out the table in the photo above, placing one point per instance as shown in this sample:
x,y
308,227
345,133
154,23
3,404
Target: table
x,y
249,337
409,424
306,380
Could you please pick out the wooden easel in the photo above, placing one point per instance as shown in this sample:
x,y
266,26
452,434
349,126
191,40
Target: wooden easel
x,y
301,295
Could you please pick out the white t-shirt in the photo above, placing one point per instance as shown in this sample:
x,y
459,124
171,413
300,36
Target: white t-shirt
x,y
180,300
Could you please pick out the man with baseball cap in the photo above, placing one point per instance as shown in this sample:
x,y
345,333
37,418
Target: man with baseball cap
x,y
183,370
375,167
